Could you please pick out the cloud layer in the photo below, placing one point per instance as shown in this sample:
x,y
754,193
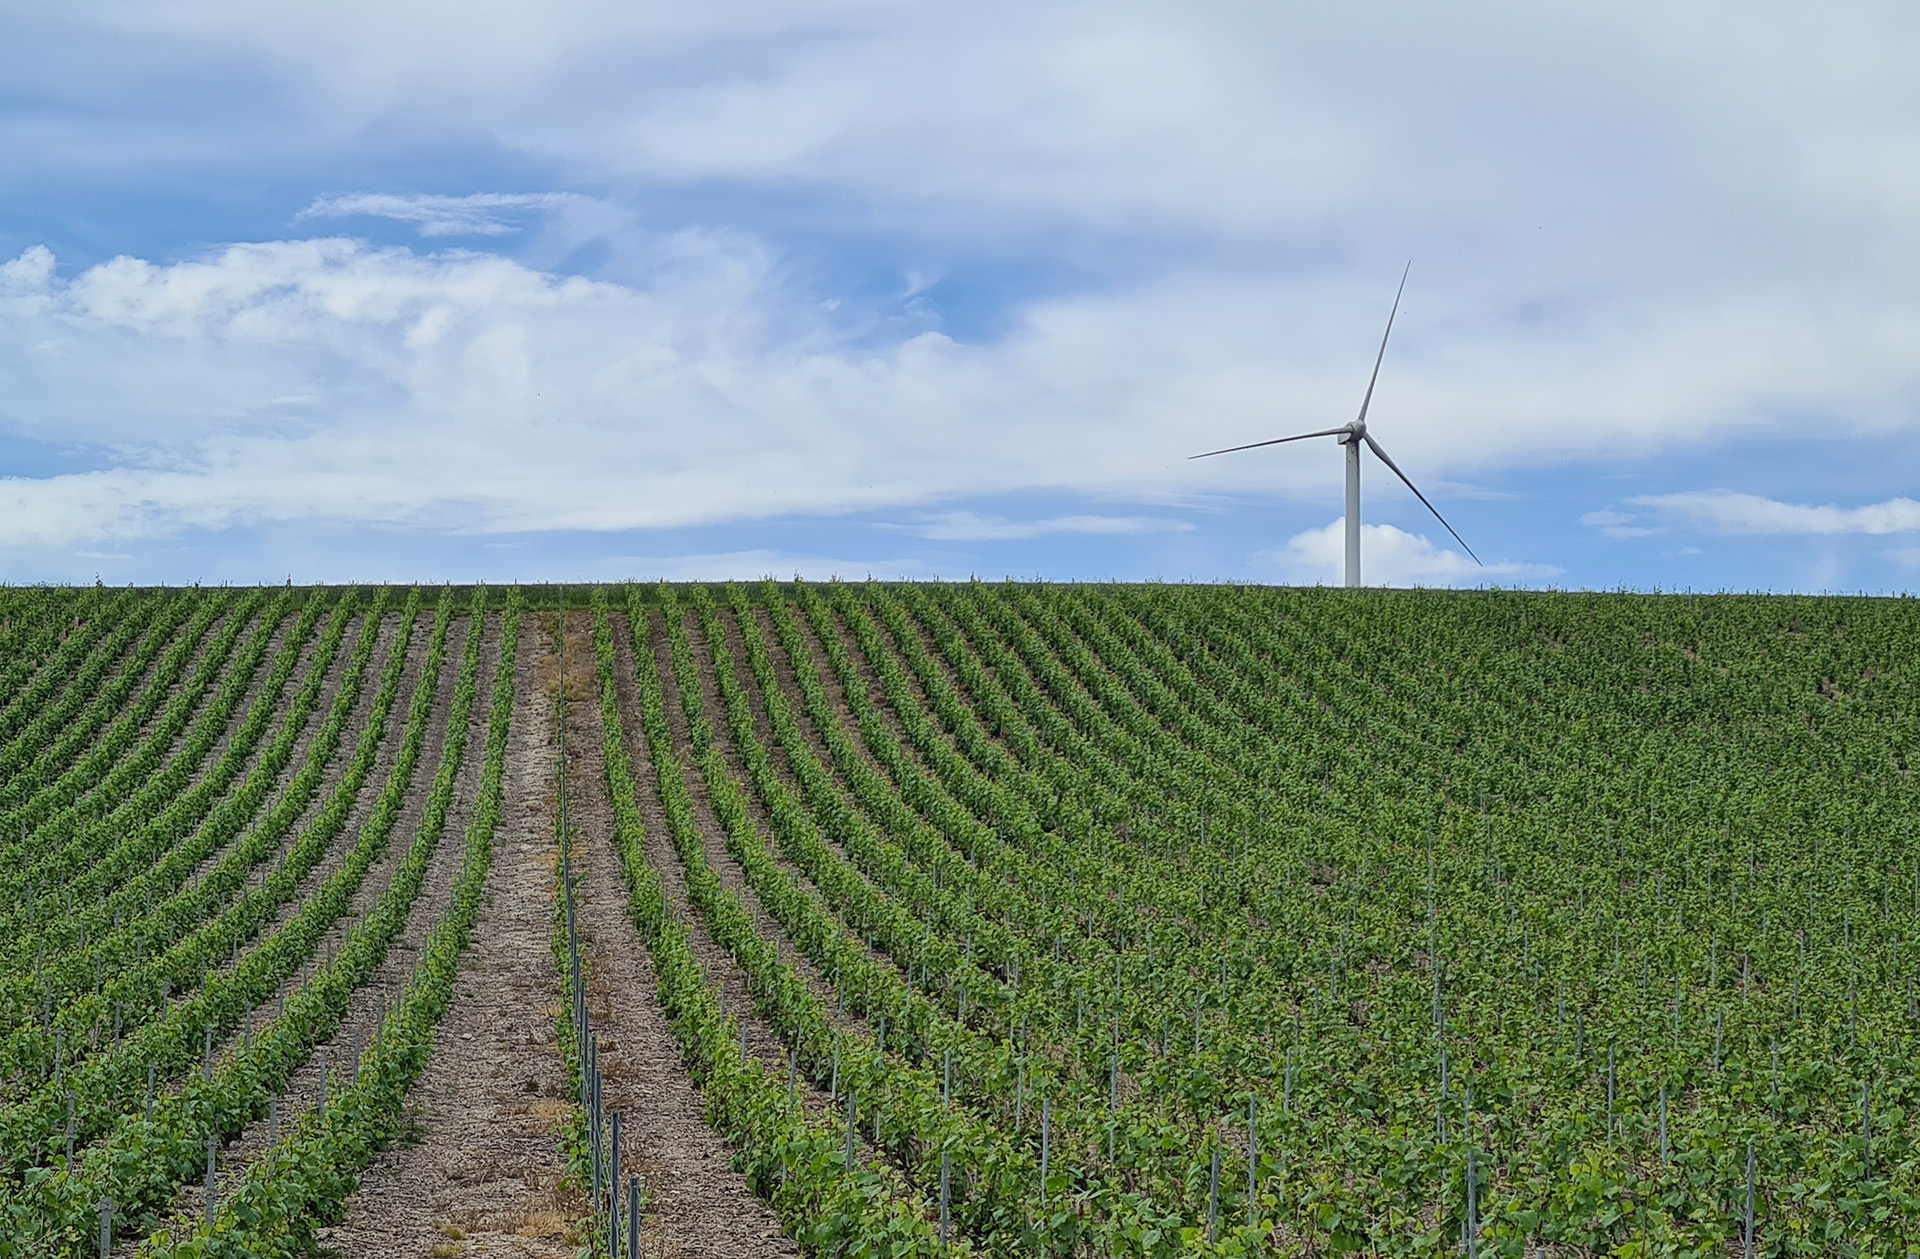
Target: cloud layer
x,y
746,261
327,378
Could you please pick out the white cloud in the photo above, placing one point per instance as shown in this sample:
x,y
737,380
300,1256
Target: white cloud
x,y
479,214
467,391
1725,511
1388,557
966,526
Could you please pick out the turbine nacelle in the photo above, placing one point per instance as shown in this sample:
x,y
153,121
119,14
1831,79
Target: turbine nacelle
x,y
1351,434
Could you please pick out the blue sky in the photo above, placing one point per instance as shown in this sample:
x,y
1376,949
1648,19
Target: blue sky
x,y
592,290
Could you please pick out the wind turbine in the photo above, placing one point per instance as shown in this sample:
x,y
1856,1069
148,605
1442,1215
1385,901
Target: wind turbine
x,y
1351,435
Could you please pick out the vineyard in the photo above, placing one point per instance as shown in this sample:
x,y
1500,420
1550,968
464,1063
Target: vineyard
x,y
875,919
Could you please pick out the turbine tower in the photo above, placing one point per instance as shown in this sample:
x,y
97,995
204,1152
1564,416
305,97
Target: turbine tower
x,y
1351,436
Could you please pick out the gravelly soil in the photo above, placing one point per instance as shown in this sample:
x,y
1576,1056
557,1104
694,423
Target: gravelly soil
x,y
482,1173
699,1204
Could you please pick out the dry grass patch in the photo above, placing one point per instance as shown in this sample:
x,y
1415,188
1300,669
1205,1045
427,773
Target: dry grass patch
x,y
548,1111
545,1223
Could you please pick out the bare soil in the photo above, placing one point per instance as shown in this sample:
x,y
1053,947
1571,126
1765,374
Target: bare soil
x,y
481,1172
698,1205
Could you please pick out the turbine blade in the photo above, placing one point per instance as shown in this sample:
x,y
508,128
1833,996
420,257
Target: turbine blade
x,y
1297,437
1388,460
1368,400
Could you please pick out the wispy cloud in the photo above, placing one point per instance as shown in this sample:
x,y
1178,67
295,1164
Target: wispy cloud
x,y
966,526
1388,557
479,214
1617,524
1729,512
756,565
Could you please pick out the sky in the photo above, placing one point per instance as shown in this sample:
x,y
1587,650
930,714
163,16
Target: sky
x,y
584,291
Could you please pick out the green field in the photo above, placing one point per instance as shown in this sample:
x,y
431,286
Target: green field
x,y
1493,922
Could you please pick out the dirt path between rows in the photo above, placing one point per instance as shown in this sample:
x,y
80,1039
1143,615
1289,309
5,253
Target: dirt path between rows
x,y
698,1204
480,1170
